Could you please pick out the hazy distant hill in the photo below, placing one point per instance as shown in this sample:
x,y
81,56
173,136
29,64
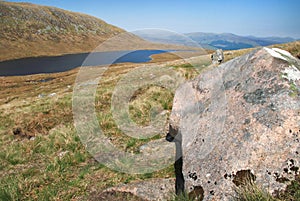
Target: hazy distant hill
x,y
228,41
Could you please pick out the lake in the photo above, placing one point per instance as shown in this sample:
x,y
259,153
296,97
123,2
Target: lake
x,y
54,64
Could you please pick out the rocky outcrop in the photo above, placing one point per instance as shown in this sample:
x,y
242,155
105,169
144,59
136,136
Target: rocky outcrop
x,y
217,57
240,120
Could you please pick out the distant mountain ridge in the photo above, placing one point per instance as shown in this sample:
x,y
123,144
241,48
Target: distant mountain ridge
x,y
225,41
229,41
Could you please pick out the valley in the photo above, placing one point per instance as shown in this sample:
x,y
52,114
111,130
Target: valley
x,y
48,53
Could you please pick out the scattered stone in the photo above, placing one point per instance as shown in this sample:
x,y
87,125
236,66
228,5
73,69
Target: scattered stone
x,y
217,57
32,138
47,79
41,95
52,94
62,154
152,189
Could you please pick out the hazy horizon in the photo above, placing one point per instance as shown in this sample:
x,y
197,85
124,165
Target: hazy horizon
x,y
269,18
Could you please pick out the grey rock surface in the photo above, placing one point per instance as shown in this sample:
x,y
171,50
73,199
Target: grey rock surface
x,y
153,189
240,118
217,57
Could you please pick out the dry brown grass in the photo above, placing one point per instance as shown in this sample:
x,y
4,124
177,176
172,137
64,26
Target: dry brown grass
x,y
169,56
55,165
293,48
34,169
231,54
19,88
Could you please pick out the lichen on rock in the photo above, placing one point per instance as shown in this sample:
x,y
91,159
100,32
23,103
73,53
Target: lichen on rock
x,y
240,118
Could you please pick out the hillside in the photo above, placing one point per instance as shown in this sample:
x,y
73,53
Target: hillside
x,y
29,30
33,30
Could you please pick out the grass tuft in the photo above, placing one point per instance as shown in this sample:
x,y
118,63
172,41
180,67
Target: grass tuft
x,y
252,192
182,197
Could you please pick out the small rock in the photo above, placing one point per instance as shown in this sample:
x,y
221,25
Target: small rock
x,y
52,94
41,95
32,138
62,154
217,57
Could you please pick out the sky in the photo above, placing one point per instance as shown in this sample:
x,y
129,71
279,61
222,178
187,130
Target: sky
x,y
242,17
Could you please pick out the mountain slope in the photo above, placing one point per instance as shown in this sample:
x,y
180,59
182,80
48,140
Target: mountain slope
x,y
228,41
32,30
29,30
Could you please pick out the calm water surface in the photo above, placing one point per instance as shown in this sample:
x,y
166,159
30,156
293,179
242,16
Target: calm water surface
x,y
54,64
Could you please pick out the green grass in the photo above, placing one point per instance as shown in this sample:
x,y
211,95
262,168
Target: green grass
x,y
189,71
292,192
38,165
56,165
150,102
182,197
294,90
252,192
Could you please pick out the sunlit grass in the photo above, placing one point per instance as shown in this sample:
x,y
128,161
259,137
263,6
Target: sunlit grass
x,y
54,164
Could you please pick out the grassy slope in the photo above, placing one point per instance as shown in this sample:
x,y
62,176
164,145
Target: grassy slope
x,y
55,165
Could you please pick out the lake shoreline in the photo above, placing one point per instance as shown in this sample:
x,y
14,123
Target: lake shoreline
x,y
62,63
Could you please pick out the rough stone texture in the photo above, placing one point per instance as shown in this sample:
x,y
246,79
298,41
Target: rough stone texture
x,y
239,118
113,196
153,189
217,57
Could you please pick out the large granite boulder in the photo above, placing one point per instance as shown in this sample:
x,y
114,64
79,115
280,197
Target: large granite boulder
x,y
240,119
